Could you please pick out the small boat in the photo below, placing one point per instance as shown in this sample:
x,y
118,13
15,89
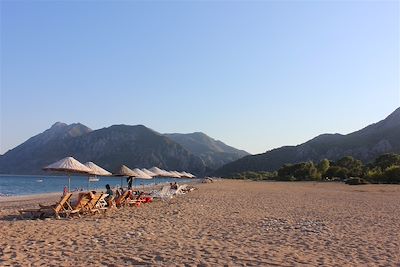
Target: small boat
x,y
93,179
39,180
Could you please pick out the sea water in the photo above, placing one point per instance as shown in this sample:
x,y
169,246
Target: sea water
x,y
16,185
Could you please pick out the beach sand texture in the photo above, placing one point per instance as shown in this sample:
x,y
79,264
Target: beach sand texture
x,y
234,223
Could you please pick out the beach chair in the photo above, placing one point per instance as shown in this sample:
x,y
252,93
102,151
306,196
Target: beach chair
x,y
181,190
122,199
164,194
102,203
83,201
138,200
31,213
63,207
93,204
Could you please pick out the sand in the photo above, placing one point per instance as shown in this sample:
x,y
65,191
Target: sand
x,y
231,223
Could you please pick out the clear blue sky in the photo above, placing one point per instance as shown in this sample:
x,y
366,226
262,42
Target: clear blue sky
x,y
256,75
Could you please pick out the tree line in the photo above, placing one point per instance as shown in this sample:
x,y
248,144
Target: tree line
x,y
384,169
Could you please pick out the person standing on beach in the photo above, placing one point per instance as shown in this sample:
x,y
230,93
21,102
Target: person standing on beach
x,y
129,180
65,191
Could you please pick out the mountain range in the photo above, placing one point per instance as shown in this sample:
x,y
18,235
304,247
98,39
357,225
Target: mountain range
x,y
365,144
134,146
214,153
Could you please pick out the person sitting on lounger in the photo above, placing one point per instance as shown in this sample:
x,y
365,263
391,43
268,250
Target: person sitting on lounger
x,y
109,192
174,186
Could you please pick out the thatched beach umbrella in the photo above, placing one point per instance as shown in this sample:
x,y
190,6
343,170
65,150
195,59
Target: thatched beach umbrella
x,y
68,165
152,174
178,174
96,170
172,174
159,172
190,175
124,171
187,175
146,171
141,174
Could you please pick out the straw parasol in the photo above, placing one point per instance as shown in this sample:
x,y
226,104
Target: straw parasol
x,y
146,171
152,174
187,175
125,171
68,165
158,172
172,174
96,170
141,174
178,174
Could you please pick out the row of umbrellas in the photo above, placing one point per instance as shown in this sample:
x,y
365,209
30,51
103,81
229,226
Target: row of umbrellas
x,y
71,165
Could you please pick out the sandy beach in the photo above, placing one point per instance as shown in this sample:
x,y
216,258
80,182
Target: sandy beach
x,y
226,223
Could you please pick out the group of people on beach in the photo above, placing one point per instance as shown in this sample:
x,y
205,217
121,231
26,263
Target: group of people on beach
x,y
173,185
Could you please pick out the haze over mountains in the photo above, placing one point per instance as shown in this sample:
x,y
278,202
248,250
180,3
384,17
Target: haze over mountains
x,y
214,153
134,146
365,144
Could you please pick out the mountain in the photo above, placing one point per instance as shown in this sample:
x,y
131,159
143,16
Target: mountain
x,y
135,146
25,157
365,144
214,153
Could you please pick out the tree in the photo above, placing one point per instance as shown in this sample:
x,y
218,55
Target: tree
x,y
336,171
386,160
374,175
392,175
323,166
301,171
353,166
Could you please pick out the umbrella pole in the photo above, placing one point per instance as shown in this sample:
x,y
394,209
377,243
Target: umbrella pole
x,y
69,183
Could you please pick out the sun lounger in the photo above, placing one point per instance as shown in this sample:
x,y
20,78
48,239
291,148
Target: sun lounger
x,y
102,203
181,190
87,202
137,200
63,207
164,194
83,201
122,199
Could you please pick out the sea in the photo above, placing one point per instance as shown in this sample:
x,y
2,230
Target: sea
x,y
19,185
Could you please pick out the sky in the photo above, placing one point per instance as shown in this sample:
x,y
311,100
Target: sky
x,y
256,75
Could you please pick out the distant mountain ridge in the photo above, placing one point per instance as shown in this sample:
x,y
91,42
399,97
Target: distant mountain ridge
x,y
135,146
214,153
365,144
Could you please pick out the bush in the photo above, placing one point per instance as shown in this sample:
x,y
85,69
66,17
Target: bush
x,y
356,181
392,175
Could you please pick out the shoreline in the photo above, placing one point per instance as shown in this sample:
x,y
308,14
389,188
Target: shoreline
x,y
138,187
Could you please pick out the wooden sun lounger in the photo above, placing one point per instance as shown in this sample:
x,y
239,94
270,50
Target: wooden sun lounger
x,y
87,202
122,200
93,204
63,207
102,203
